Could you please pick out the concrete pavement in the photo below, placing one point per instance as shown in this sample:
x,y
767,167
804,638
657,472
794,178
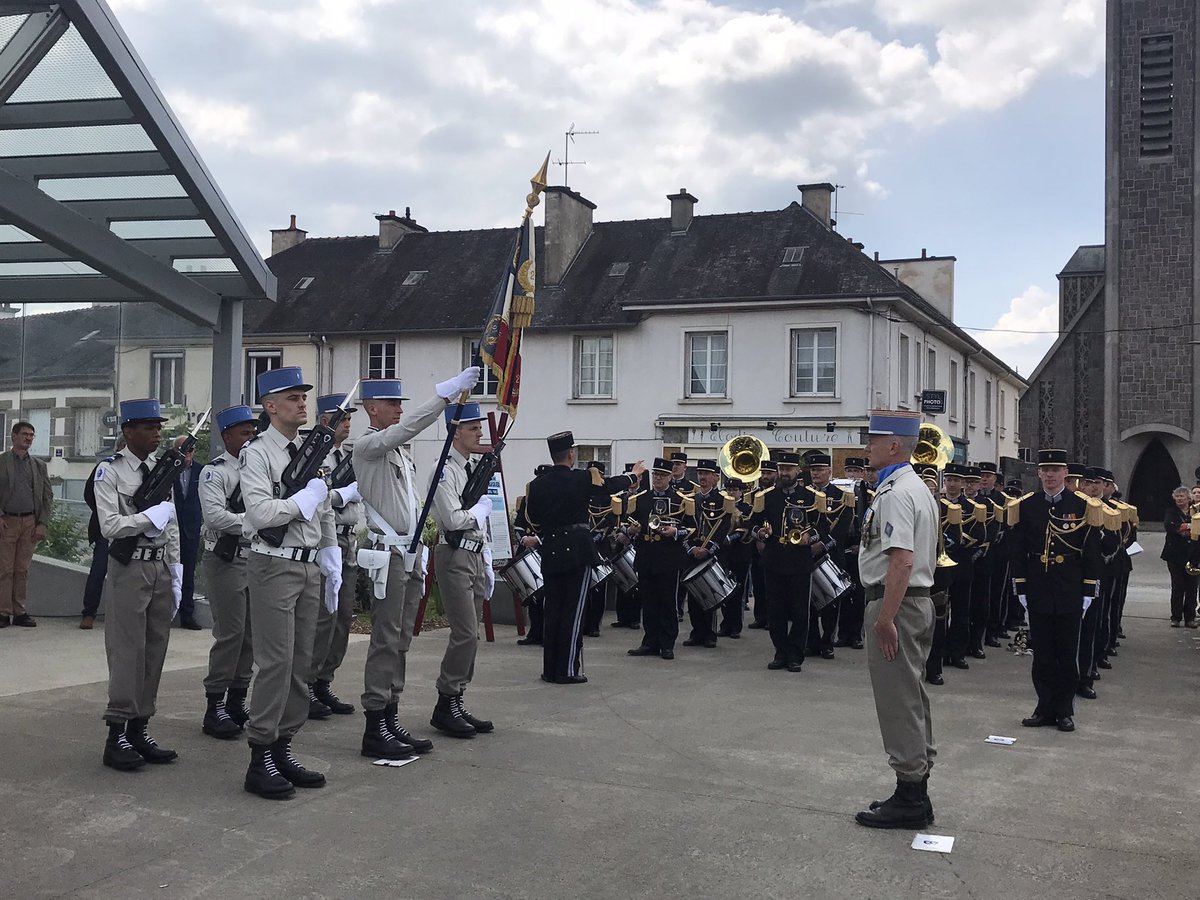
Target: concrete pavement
x,y
704,777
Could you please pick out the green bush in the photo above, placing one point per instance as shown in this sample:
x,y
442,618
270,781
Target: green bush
x,y
65,537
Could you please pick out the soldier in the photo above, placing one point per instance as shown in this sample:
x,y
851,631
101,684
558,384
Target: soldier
x,y
839,524
1111,626
143,592
333,629
628,602
231,660
786,518
522,527
961,545
1055,565
680,482
986,527
387,480
557,505
734,558
990,494
285,586
712,512
601,523
850,619
768,472
1092,636
660,532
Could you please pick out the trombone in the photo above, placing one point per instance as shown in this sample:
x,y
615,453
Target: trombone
x,y
742,458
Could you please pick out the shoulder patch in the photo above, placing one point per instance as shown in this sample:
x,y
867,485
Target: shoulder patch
x,y
209,474
100,472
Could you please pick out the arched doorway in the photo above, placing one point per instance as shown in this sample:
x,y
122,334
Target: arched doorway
x,y
1153,479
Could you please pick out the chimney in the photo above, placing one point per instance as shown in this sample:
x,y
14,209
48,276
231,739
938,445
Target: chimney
x,y
568,224
286,238
393,228
930,276
818,200
682,205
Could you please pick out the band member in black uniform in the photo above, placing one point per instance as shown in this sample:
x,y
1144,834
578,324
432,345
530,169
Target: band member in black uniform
x,y
1055,564
839,523
981,578
787,520
533,606
961,544
1111,624
734,558
1092,636
941,580
989,493
712,513
556,505
601,522
660,531
766,478
1014,613
680,481
854,604
628,603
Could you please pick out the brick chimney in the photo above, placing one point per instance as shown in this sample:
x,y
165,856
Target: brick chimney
x,y
393,228
818,200
568,225
286,238
682,206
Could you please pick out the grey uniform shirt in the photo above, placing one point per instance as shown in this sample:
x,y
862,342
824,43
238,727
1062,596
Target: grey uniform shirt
x,y
114,484
447,500
903,515
386,474
217,484
261,465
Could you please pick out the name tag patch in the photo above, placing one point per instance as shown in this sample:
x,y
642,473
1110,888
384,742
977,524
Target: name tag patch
x,y
887,529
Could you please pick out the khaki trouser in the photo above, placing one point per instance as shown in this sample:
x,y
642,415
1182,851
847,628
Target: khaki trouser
x,y
333,628
16,553
231,660
901,701
462,583
392,621
284,598
137,628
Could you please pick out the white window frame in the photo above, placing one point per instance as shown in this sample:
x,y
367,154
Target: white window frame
x,y
904,362
251,385
1002,413
42,432
577,380
952,404
586,453
688,334
930,368
793,332
485,387
177,394
987,405
87,422
384,370
971,401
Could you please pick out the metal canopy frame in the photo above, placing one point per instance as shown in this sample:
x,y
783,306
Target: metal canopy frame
x,y
52,146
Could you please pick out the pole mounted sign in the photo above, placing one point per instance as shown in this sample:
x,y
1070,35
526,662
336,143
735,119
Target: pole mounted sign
x,y
933,402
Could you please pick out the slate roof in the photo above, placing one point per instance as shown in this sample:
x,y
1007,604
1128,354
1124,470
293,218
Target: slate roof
x,y
1087,260
74,347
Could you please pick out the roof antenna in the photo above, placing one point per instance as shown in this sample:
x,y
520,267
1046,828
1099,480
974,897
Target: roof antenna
x,y
565,162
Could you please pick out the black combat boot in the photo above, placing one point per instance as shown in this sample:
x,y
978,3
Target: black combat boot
x,y
378,741
235,707
217,722
118,752
317,709
447,719
289,767
420,745
904,809
263,776
481,726
875,804
323,693
135,731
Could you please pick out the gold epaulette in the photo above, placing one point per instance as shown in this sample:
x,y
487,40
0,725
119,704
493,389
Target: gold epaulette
x,y
760,499
616,505
631,503
848,499
1084,497
731,505
1195,527
597,478
1095,513
1110,518
1133,512
820,500
979,513
689,505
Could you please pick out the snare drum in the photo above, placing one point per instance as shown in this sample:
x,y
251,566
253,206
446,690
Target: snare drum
x,y
623,572
598,573
524,575
708,584
829,584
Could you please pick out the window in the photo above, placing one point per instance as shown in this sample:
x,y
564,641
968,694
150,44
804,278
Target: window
x,y
381,359
905,386
486,386
987,404
1157,95
793,256
87,431
4,435
618,268
304,283
1001,410
594,366
40,420
953,399
971,404
930,368
587,453
814,361
166,377
707,360
258,362
413,277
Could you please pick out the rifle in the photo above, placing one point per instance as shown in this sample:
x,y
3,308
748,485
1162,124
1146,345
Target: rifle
x,y
306,465
343,473
226,546
156,488
481,476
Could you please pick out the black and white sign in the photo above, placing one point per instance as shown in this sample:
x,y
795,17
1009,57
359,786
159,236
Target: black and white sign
x,y
933,402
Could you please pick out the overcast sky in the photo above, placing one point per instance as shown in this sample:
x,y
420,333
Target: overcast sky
x,y
969,128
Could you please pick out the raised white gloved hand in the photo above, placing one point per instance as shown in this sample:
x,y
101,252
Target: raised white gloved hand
x,y
481,511
329,561
309,497
463,381
1023,601
349,493
176,586
1087,601
489,573
161,514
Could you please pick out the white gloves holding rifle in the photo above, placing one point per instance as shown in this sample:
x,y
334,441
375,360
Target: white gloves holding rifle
x,y
481,511
309,497
161,514
463,381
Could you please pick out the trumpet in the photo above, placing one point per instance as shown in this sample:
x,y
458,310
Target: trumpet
x,y
797,536
657,523
764,532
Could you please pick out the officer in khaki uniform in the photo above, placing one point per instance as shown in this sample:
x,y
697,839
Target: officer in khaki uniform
x,y
143,593
231,659
896,563
285,586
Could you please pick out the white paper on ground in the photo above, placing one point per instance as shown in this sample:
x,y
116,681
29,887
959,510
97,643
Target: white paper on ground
x,y
938,843
395,763
1134,549
999,739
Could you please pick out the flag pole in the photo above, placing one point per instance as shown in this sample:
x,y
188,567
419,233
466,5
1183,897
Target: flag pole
x,y
521,319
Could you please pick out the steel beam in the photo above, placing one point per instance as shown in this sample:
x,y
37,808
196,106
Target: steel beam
x,y
66,114
133,209
165,249
28,47
87,165
227,356
98,288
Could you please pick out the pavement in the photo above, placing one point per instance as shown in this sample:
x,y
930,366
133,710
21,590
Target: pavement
x,y
703,777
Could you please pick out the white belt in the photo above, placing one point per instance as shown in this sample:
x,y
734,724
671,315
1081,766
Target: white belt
x,y
211,546
298,554
399,541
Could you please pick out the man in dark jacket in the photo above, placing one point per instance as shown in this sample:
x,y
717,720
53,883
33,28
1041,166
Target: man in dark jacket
x,y
187,511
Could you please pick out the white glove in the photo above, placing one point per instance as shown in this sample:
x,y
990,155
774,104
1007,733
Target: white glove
x,y
333,585
329,561
489,573
309,497
1024,602
349,493
1087,601
463,381
161,514
481,511
176,586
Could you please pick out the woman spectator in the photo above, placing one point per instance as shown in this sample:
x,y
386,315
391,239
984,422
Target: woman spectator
x,y
1175,551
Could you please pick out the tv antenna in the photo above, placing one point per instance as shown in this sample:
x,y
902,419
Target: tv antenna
x,y
566,162
836,215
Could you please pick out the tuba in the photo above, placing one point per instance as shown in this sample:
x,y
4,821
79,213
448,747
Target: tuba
x,y
741,458
934,448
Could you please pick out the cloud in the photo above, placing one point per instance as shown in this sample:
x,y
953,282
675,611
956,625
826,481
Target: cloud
x,y
1025,331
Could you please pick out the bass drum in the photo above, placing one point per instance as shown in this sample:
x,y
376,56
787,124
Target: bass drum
x,y
829,583
623,572
524,575
708,584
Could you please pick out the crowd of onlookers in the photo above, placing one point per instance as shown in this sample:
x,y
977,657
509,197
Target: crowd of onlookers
x,y
1182,554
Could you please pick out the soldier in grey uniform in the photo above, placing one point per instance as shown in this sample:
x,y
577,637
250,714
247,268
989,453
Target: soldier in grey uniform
x,y
231,660
143,593
463,562
388,484
333,628
896,563
285,586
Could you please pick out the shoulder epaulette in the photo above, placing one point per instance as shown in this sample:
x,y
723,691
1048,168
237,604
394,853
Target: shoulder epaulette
x,y
1084,497
220,460
109,459
689,506
597,478
760,499
731,505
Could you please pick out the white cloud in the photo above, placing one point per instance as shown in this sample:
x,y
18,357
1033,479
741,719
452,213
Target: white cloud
x,y
1025,331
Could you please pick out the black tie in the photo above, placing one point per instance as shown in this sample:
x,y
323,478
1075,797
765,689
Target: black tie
x,y
469,470
291,449
337,456
144,470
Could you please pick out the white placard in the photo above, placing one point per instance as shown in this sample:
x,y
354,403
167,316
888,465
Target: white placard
x,y
501,539
999,739
1134,549
938,843
395,763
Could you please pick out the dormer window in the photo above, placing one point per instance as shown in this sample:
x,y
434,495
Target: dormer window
x,y
304,283
793,256
414,276
618,268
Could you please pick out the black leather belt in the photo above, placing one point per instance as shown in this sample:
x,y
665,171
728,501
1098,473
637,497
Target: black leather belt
x,y
875,592
19,515
345,530
148,554
471,546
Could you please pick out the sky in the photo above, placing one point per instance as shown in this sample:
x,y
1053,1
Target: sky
x,y
963,127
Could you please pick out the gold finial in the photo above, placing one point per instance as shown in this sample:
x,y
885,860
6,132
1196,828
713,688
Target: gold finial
x,y
538,182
